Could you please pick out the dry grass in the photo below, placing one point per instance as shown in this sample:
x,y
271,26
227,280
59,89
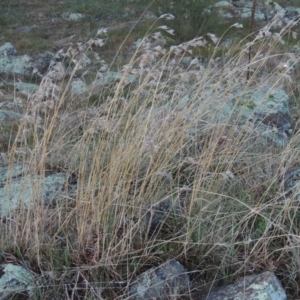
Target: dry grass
x,y
160,137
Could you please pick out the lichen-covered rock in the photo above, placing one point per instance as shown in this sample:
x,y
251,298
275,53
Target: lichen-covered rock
x,y
268,110
24,87
265,10
168,281
262,112
42,62
292,12
78,87
11,63
291,185
15,280
20,188
7,116
265,286
110,77
71,16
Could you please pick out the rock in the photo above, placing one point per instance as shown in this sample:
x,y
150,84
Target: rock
x,y
26,29
7,116
149,16
78,87
24,87
11,63
245,13
110,77
168,280
19,188
69,16
268,110
15,281
42,62
292,12
291,181
223,4
265,286
263,110
274,5
243,9
187,61
8,50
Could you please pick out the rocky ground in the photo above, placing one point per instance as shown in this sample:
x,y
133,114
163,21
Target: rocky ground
x,y
148,171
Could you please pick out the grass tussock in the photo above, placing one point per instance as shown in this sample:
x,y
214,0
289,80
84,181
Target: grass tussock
x,y
160,132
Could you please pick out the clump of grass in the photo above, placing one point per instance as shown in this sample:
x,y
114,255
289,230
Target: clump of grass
x,y
162,135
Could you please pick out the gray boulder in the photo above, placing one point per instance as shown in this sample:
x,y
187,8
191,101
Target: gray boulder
x,y
20,188
7,116
292,12
111,77
78,87
24,87
72,16
265,286
261,112
265,10
268,110
168,281
15,281
291,183
11,63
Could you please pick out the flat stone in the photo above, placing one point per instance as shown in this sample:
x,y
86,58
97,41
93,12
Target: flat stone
x,y
291,183
223,4
168,280
78,87
26,29
265,286
11,63
24,87
292,12
264,109
20,188
8,116
110,77
15,280
7,50
71,16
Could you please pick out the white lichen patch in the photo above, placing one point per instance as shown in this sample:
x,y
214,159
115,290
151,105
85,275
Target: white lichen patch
x,y
15,280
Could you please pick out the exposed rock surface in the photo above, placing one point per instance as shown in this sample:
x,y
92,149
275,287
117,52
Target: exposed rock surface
x,y
265,286
15,281
72,16
264,110
78,87
11,63
168,281
110,77
268,110
7,116
18,188
291,183
265,10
